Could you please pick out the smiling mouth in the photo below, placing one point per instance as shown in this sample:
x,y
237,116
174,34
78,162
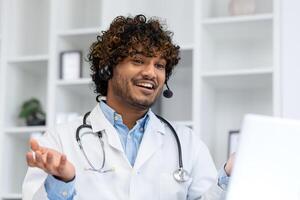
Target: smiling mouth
x,y
146,85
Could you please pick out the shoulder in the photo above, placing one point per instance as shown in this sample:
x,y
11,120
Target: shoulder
x,y
57,135
71,126
187,133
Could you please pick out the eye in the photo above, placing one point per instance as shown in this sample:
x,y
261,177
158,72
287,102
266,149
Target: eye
x,y
160,66
137,61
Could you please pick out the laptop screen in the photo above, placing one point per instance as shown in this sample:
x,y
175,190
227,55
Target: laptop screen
x,y
267,165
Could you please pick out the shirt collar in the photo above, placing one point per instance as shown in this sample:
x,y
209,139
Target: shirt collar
x,y
114,118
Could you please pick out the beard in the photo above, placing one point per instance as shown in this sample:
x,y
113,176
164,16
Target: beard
x,y
124,90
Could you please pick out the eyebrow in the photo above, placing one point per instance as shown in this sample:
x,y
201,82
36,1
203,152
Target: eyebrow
x,y
141,54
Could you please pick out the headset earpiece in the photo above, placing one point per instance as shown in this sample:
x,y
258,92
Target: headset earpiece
x,y
167,92
105,73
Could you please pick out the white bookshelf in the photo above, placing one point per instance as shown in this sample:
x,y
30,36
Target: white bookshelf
x,y
230,66
25,31
237,72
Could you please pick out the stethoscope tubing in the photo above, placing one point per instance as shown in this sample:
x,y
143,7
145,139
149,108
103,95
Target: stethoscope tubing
x,y
180,163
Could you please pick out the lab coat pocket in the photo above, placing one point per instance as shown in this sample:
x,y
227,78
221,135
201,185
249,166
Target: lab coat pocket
x,y
170,189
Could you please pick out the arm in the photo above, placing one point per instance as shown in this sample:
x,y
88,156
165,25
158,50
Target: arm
x,y
50,161
225,172
42,161
205,177
206,184
218,191
59,190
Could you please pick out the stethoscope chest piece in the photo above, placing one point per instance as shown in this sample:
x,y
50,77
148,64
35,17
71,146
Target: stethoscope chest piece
x,y
181,175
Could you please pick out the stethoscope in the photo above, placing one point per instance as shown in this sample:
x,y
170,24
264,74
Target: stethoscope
x,y
180,174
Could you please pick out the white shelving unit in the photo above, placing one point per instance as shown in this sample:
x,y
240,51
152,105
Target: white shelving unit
x,y
24,74
230,66
236,68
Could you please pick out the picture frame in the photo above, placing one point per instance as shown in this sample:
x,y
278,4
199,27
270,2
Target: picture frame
x,y
233,140
70,65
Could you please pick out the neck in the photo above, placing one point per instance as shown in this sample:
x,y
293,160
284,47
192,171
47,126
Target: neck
x,y
129,113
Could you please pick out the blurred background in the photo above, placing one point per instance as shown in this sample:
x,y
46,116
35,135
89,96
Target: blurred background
x,y
237,57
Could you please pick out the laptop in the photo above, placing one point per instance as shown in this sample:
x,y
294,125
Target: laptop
x,y
267,165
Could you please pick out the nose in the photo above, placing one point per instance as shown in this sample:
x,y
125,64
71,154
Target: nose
x,y
149,71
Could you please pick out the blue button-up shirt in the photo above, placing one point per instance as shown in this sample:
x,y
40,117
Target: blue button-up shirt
x,y
130,139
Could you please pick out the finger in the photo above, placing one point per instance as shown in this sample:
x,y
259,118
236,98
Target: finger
x,y
49,158
39,160
34,144
62,163
30,159
36,147
49,161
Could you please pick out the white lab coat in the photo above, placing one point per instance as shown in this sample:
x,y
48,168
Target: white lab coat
x,y
150,178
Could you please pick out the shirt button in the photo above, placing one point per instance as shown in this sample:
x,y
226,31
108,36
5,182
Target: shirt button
x,y
64,194
141,129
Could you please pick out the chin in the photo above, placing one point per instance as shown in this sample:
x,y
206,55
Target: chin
x,y
143,103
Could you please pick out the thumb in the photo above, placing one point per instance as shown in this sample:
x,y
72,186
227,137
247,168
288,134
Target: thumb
x,y
34,145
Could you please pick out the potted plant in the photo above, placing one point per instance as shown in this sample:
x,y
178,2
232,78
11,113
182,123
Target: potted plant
x,y
33,113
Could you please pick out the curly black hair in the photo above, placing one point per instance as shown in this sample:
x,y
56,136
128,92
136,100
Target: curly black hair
x,y
124,38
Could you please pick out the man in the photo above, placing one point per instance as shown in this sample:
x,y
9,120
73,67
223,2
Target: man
x,y
130,63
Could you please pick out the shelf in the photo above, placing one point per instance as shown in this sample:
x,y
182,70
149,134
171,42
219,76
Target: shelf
x,y
78,32
240,72
11,196
25,129
78,14
220,8
237,28
25,59
236,19
79,89
80,42
82,81
35,65
28,30
240,79
25,132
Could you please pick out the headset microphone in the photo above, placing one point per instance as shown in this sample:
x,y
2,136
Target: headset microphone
x,y
167,93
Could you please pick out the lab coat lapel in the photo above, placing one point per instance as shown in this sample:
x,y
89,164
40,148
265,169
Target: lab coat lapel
x,y
152,140
100,123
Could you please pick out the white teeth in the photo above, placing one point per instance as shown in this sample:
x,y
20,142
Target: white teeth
x,y
147,85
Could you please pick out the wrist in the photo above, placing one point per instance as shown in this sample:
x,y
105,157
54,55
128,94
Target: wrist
x,y
66,180
226,170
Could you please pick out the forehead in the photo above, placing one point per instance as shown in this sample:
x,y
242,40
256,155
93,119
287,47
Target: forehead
x,y
157,56
147,51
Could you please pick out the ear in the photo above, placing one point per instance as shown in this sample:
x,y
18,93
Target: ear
x,y
105,73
